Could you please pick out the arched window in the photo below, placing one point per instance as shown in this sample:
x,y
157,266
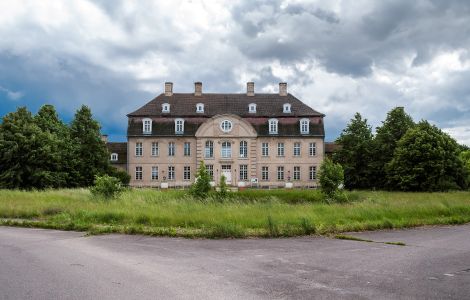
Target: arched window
x,y
200,108
147,125
165,108
273,126
114,156
179,126
226,149
226,126
252,108
209,149
286,108
304,126
243,149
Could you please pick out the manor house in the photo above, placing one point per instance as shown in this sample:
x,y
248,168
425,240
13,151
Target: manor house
x,y
266,140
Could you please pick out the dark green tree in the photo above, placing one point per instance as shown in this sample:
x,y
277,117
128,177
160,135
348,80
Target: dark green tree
x,y
331,178
201,186
89,150
465,157
387,136
354,155
426,159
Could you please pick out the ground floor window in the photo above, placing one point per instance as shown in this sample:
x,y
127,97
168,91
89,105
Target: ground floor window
x,y
210,171
265,173
171,173
187,173
138,173
280,173
154,173
297,173
243,172
312,173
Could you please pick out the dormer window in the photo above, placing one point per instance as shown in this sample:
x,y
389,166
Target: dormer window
x,y
286,108
114,156
147,125
304,126
273,126
252,108
199,108
179,126
165,108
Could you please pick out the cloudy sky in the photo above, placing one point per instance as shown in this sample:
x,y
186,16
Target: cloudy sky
x,y
337,56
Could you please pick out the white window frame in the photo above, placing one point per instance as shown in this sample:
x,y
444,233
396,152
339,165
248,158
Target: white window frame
x,y
244,149
243,172
171,172
273,126
209,149
252,108
286,108
281,149
171,149
265,149
312,173
304,126
179,126
223,126
280,173
200,108
297,149
210,171
139,173
155,149
226,149
154,175
187,149
139,149
296,173
264,173
147,125
165,108
312,149
114,157
187,173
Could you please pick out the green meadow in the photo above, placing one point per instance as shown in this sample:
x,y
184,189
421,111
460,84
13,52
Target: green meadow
x,y
249,213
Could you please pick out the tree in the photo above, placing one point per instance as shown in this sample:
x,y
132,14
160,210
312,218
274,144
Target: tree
x,y
393,128
202,185
354,155
465,157
331,178
426,159
89,148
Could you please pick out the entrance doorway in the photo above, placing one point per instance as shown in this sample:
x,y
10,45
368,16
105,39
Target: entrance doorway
x,y
227,172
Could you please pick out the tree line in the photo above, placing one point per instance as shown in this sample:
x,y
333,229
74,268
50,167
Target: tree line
x,y
402,155
41,151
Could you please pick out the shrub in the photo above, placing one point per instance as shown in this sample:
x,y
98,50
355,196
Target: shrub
x,y
223,190
106,186
201,186
122,175
331,179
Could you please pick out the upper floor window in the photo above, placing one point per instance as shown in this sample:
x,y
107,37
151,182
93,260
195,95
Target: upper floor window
x,y
200,108
179,126
155,149
286,108
304,126
147,125
243,149
280,149
187,149
264,149
296,149
273,126
312,149
226,126
171,149
165,108
138,149
226,149
252,108
114,156
209,149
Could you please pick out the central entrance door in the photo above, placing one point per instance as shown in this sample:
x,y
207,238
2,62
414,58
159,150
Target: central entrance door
x,y
227,172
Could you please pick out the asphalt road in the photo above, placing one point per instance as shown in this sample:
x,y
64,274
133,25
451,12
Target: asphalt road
x,y
47,264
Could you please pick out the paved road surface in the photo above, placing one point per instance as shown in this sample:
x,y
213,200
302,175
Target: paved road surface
x,y
46,264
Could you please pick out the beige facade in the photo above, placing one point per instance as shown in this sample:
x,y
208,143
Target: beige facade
x,y
239,153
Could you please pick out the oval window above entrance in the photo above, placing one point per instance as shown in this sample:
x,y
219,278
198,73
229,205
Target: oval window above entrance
x,y
226,126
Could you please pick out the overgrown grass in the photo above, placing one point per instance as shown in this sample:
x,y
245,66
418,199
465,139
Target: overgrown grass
x,y
249,213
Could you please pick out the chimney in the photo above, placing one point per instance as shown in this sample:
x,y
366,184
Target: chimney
x,y
283,89
104,138
250,88
198,88
168,88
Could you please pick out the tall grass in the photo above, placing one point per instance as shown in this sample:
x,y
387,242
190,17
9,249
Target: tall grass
x,y
247,213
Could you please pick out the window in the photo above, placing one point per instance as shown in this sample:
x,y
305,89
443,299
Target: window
x,y
209,149
187,173
147,125
264,149
199,108
286,108
187,149
297,173
243,172
179,126
155,150
304,126
273,126
243,149
171,173
296,149
165,108
114,156
265,173
210,171
312,173
138,173
312,149
226,126
226,149
154,173
138,149
280,149
280,173
252,108
171,149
